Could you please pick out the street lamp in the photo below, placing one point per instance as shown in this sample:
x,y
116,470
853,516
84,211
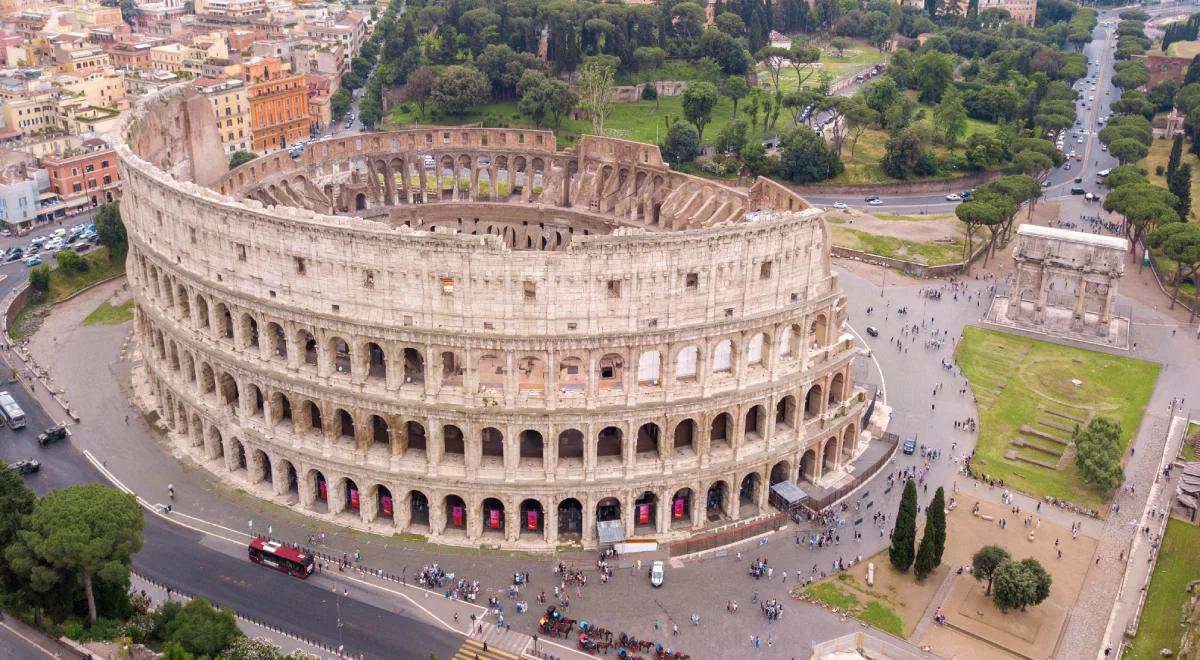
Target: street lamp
x,y
338,601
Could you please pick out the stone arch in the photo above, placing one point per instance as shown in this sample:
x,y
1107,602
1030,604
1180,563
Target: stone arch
x,y
789,342
648,443
208,379
722,357
755,427
785,412
453,447
224,321
492,510
381,432
384,505
849,441
316,483
260,467
572,380
255,396
756,351
185,307
687,363
307,344
610,445
491,447
721,431
533,519
291,483
608,508
281,411
312,412
809,464
531,375
414,367
418,510
781,471
812,402
339,352
818,331
748,490
343,425
645,512
570,519
681,508
716,501
351,496
612,372
277,341
216,444
452,369
491,372
202,312
836,386
229,390
684,438
570,448
249,328
456,512
829,454
649,369
237,455
376,361
414,432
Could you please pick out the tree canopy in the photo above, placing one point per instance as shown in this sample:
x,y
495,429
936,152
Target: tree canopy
x,y
1098,452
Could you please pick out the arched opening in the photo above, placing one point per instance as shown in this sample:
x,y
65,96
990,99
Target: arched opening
x,y
685,439
491,373
225,321
650,369
341,355
453,447
647,447
343,426
491,448
292,485
608,509
780,472
208,380
755,351
754,424
360,202
452,370
785,413
748,495
256,397
308,343
532,447
645,513
817,331
278,341
808,466
571,379
608,446
385,508
830,455
418,510
789,342
531,376
715,505
722,357
836,385
320,488
249,331
262,467
493,516
351,501
687,364
570,449
570,520
415,433
376,362
849,441
314,416
612,372
201,312
229,392
720,436
381,436
681,509
456,512
532,519
812,402
414,367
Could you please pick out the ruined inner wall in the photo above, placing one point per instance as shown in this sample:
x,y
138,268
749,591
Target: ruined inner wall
x,y
689,349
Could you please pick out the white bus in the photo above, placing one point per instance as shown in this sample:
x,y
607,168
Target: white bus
x,y
13,415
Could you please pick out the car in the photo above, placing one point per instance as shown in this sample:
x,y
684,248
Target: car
x,y
1079,157
657,574
967,195
27,466
5,232
1091,98
870,198
1046,184
1091,197
839,205
1078,191
82,247
1079,141
876,202
1104,147
33,261
1078,179
952,197
1067,167
12,256
873,331
910,444
53,434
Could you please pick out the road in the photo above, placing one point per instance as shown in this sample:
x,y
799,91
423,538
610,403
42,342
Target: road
x,y
220,572
1061,180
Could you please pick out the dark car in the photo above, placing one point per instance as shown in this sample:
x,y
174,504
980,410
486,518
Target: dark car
x,y
13,256
53,434
873,331
27,466
910,445
1078,191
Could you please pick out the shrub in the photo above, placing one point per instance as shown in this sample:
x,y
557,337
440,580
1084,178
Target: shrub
x,y
1158,169
649,93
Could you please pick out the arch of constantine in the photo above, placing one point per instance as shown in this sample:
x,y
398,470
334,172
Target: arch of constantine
x,y
474,335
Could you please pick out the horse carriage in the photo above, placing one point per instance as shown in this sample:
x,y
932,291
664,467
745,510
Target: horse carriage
x,y
554,623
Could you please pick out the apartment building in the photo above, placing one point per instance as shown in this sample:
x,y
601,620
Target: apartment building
x,y
232,8
102,88
1022,11
230,100
83,176
278,104
349,31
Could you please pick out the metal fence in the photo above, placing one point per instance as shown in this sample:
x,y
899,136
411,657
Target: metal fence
x,y
861,474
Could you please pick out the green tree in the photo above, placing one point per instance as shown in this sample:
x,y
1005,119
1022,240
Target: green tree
x,y
904,154
935,523
70,261
950,117
805,157
251,648
419,88
756,160
859,117
1041,580
175,651
803,59
732,138
339,103
1179,242
203,630
543,97
39,279
1144,206
1128,150
736,88
240,158
985,562
1098,452
16,504
699,99
595,82
683,143
934,72
840,44
904,534
459,89
1175,157
1019,584
86,533
1032,162
1125,174
111,230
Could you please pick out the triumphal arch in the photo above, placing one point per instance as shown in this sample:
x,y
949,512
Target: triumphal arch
x,y
1065,285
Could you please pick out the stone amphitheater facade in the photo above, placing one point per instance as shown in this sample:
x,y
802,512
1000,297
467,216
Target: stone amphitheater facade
x,y
474,335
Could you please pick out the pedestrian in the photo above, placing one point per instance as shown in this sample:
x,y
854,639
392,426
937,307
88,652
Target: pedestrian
x,y
785,577
656,624
674,630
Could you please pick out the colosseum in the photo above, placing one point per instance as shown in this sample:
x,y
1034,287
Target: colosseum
x,y
479,337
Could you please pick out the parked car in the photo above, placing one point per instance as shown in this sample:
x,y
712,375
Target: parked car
x,y
33,261
870,198
967,195
910,444
53,434
657,574
876,202
839,205
27,466
873,331
952,197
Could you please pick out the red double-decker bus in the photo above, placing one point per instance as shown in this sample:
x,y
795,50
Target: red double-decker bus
x,y
281,557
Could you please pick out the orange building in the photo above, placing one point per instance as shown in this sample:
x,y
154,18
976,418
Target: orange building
x,y
278,104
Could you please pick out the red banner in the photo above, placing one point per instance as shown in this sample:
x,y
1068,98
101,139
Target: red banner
x,y
354,498
456,516
643,514
385,503
494,518
531,520
677,512
322,489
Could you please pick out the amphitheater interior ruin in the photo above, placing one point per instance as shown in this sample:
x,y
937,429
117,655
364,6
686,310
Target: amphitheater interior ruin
x,y
477,336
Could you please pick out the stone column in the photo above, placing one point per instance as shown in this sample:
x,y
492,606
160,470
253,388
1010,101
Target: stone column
x,y
589,517
627,514
764,491
589,451
662,518
1080,301
550,522
337,495
437,516
1043,292
401,509
551,380
433,376
699,505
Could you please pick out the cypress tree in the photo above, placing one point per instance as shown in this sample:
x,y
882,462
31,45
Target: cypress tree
x,y
935,519
904,535
1176,155
1181,185
924,563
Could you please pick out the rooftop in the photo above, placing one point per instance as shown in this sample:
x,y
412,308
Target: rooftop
x,y
1068,235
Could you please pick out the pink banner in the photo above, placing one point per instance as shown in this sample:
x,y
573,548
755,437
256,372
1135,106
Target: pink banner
x,y
494,518
385,503
531,520
456,516
677,511
322,489
643,514
354,498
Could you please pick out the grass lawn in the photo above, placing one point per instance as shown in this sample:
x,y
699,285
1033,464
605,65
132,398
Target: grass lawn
x,y
99,268
862,164
637,121
932,254
871,606
1177,565
107,314
852,60
1188,452
1017,380
1184,49
897,217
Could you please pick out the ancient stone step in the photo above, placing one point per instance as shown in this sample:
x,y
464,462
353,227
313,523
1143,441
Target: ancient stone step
x,y
1029,430
1066,415
1018,442
1061,426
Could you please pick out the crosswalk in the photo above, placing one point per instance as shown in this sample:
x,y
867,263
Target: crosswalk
x,y
472,649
